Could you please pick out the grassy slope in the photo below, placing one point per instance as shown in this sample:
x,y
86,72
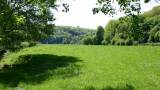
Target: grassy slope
x,y
69,67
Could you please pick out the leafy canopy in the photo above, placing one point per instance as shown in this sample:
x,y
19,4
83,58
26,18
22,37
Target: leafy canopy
x,y
24,20
129,7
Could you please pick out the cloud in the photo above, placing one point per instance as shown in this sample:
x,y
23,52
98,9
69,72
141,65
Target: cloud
x,y
80,14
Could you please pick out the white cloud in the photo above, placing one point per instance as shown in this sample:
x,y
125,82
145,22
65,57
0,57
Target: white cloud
x,y
80,14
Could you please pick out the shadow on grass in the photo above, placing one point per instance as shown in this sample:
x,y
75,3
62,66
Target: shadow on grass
x,y
125,87
34,69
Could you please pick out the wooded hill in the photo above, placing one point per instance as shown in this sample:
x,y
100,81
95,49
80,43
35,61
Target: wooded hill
x,y
68,35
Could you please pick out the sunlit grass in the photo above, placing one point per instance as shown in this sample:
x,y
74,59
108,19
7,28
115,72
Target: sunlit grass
x,y
78,67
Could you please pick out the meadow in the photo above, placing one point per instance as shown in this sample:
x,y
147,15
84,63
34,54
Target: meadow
x,y
80,67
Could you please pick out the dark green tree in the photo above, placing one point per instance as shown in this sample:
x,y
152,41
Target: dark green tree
x,y
136,27
100,35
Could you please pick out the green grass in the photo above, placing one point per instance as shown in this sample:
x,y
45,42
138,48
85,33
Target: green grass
x,y
71,67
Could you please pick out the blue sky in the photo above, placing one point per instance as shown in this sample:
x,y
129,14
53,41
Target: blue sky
x,y
80,14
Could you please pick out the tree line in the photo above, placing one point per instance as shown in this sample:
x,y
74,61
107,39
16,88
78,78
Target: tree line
x,y
134,29
24,21
128,30
68,35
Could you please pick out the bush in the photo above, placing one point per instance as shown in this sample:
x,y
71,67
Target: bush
x,y
32,44
117,40
104,42
120,42
153,33
113,41
25,44
88,41
122,36
135,43
129,41
2,53
157,36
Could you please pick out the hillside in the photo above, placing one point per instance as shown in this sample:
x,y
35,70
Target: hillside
x,y
68,35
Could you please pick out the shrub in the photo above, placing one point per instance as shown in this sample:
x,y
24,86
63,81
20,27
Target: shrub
x,y
117,40
120,42
88,41
122,36
129,41
113,41
153,32
32,44
157,36
104,42
25,44
135,43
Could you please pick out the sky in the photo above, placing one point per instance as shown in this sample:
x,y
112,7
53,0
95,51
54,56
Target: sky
x,y
80,14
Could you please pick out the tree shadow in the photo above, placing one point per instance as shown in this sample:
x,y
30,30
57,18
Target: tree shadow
x,y
125,87
34,69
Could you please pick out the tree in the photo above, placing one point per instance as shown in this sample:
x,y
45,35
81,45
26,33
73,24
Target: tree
x,y
28,20
24,20
110,30
100,34
88,41
154,34
129,7
135,28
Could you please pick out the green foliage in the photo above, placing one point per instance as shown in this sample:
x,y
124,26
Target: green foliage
x,y
152,21
100,35
110,30
24,20
129,7
96,39
153,34
157,36
88,41
25,44
117,40
134,29
128,41
104,42
68,35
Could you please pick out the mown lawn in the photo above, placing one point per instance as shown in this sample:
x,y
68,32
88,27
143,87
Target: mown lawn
x,y
73,67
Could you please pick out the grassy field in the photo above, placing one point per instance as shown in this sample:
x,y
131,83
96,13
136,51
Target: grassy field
x,y
71,67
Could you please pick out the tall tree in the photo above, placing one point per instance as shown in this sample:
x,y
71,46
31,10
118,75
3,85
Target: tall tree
x,y
100,35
